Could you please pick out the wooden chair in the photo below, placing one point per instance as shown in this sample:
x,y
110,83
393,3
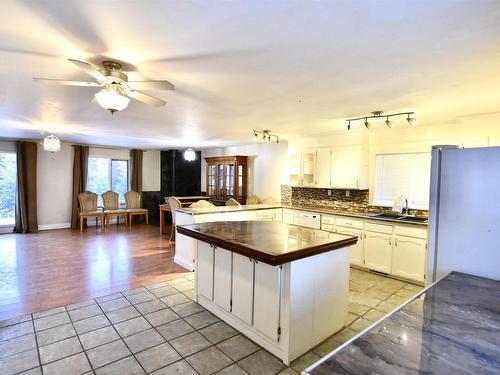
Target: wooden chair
x,y
174,203
232,202
112,208
133,206
253,199
88,208
202,203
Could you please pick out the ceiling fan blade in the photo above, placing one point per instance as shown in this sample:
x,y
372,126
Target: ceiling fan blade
x,y
68,83
137,95
151,85
89,69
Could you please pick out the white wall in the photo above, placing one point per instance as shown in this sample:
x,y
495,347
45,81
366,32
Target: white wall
x,y
267,166
54,187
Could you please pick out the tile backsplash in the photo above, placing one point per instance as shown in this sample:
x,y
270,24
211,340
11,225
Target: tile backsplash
x,y
357,201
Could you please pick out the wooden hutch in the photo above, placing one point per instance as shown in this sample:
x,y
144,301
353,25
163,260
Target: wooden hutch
x,y
227,178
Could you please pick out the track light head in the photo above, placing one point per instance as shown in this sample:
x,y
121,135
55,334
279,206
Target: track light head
x,y
349,125
388,122
411,120
255,137
367,124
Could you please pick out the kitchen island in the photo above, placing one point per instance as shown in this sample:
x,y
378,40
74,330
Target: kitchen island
x,y
453,327
284,286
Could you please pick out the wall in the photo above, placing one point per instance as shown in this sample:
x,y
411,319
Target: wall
x,y
267,166
54,187
471,131
151,171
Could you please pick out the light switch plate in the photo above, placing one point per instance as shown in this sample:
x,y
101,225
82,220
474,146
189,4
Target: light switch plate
x,y
329,193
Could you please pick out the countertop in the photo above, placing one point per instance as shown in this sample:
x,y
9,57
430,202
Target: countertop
x,y
453,327
317,209
270,242
222,209
356,214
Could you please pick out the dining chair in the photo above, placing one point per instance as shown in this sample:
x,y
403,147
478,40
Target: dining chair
x,y
133,205
88,208
112,207
174,203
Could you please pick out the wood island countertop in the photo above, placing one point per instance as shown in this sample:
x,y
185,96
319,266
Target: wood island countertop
x,y
269,242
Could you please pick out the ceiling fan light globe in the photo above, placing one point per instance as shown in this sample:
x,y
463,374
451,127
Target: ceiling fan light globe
x,y
111,100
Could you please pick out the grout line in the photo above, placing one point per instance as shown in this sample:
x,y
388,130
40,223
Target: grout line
x,y
80,341
37,347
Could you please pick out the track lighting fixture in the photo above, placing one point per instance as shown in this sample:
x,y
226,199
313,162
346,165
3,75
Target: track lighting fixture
x,y
266,136
377,114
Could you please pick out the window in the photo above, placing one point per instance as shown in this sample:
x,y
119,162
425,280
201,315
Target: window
x,y
108,174
8,180
406,175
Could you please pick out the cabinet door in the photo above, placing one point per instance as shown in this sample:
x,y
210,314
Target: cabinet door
x,y
222,278
295,167
288,217
408,258
323,169
356,251
243,283
346,167
205,270
378,251
267,300
308,168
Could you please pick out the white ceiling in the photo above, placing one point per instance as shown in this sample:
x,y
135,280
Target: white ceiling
x,y
296,67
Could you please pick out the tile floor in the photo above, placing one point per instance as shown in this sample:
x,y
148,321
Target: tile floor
x,y
158,329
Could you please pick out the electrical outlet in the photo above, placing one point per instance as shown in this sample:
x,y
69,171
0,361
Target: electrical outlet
x,y
347,193
329,193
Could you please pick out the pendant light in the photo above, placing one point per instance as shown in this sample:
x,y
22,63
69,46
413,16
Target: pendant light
x,y
189,154
51,143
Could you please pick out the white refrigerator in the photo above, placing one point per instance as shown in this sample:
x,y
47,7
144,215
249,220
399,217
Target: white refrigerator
x,y
464,212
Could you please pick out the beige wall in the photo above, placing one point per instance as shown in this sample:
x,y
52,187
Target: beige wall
x,y
267,166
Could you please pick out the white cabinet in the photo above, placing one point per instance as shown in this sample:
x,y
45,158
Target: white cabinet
x,y
408,257
269,215
243,284
323,173
378,251
288,217
222,278
303,167
267,300
356,254
349,167
205,270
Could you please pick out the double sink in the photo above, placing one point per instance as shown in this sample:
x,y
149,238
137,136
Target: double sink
x,y
415,219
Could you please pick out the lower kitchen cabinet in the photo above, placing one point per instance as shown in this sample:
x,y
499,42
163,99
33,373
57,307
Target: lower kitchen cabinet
x,y
242,306
267,300
378,251
222,278
356,254
205,270
408,258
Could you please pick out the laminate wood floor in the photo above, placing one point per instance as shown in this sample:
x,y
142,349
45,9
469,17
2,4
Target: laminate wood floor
x,y
59,267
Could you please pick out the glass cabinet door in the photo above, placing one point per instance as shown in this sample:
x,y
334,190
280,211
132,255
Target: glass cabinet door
x,y
220,181
229,180
211,180
308,168
295,168
240,181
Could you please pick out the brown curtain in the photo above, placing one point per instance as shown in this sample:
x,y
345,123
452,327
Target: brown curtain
x,y
80,169
136,178
26,212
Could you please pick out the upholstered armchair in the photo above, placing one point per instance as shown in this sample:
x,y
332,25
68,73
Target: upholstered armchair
x,y
112,207
174,203
133,206
232,202
88,208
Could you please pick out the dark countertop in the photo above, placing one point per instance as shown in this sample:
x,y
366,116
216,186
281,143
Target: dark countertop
x,y
355,214
270,242
451,328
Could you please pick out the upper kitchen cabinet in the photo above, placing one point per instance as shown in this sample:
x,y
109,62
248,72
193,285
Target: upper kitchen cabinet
x,y
340,167
303,167
349,167
227,178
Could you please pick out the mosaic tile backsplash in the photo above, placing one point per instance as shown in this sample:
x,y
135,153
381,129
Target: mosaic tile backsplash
x,y
358,201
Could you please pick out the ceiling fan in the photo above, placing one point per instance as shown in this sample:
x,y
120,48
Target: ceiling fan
x,y
117,89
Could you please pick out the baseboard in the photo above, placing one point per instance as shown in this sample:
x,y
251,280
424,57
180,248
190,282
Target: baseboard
x,y
182,262
54,226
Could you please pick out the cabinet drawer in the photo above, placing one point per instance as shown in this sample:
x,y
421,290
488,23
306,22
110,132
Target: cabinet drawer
x,y
378,228
410,231
327,219
328,227
349,223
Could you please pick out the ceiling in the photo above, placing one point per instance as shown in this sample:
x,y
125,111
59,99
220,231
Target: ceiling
x,y
295,67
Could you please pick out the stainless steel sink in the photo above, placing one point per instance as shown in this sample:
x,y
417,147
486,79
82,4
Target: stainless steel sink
x,y
395,216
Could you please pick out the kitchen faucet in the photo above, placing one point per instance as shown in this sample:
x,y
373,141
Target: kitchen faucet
x,y
406,207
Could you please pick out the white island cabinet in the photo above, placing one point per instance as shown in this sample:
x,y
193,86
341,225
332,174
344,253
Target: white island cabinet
x,y
283,286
